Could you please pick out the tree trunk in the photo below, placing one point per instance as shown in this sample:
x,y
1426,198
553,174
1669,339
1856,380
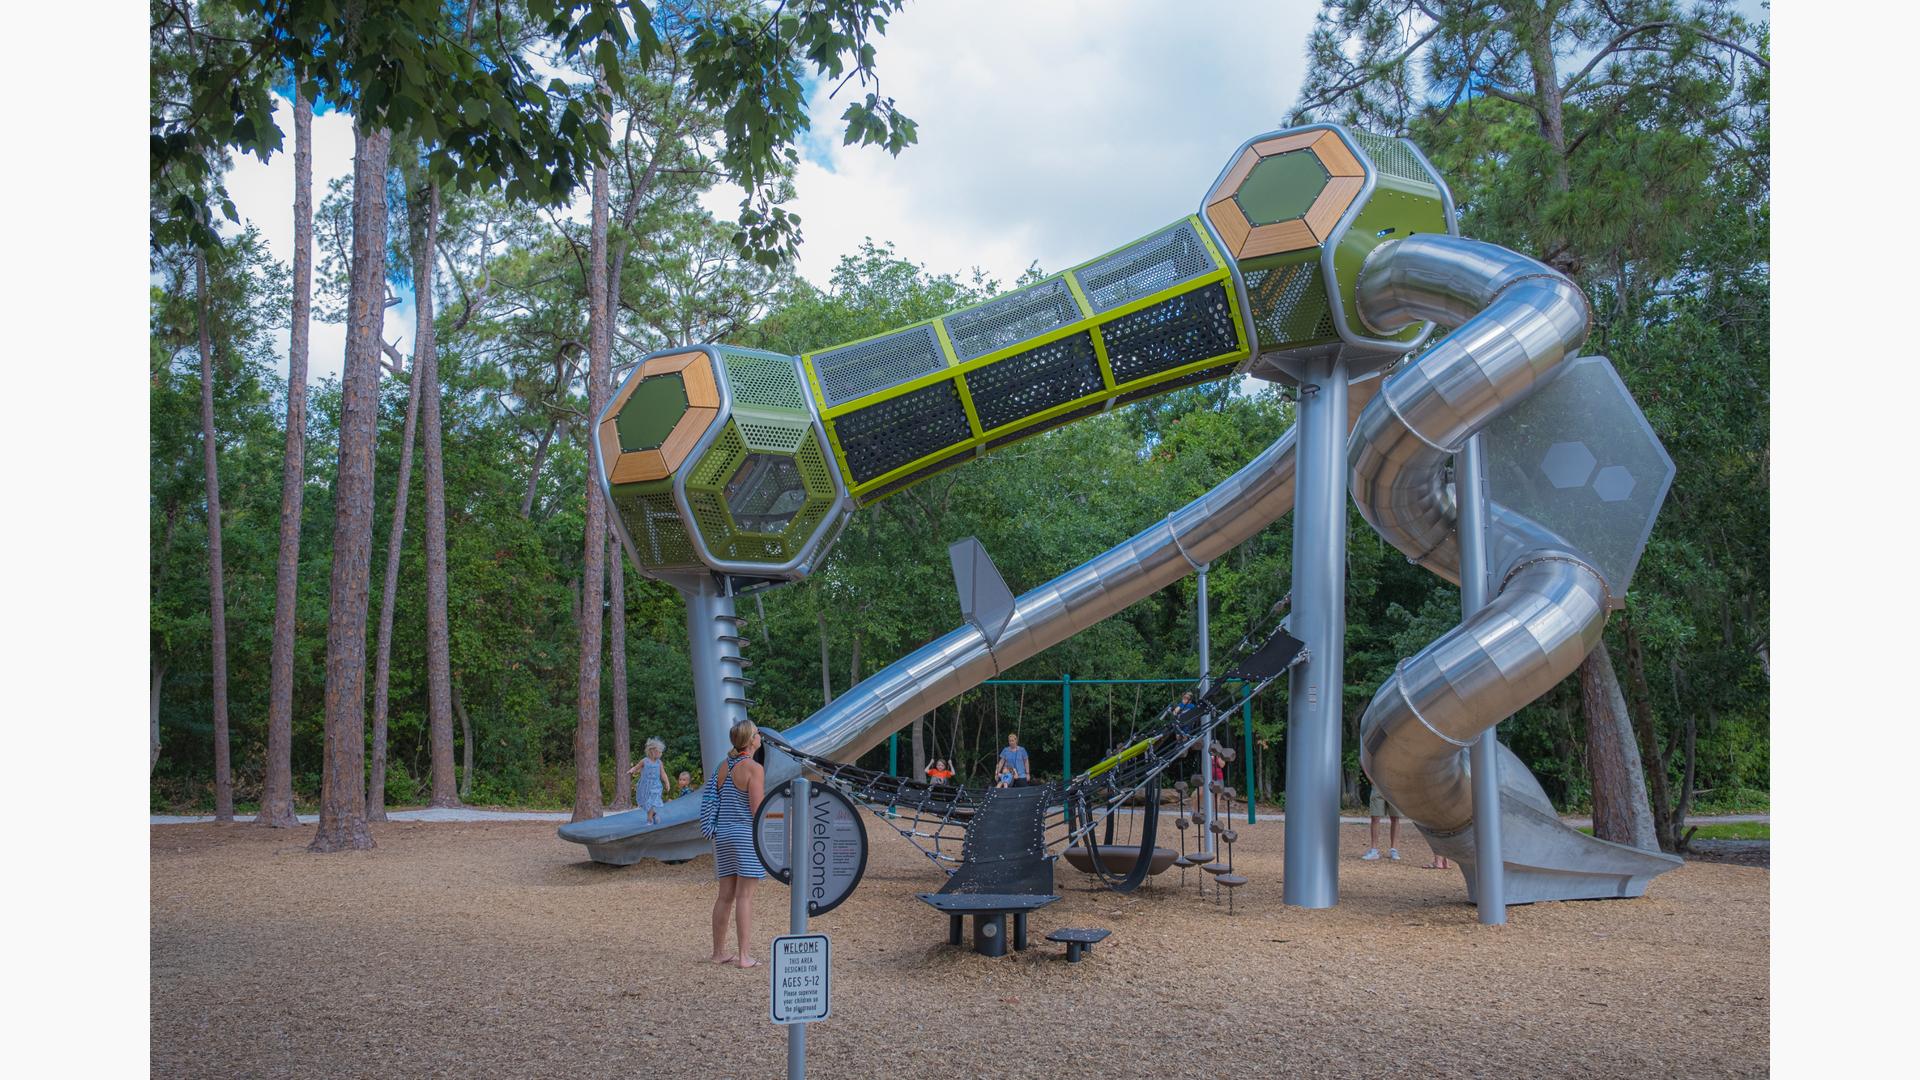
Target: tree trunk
x,y
276,797
586,740
466,742
919,748
343,799
389,590
1620,809
1641,707
153,718
533,474
216,572
826,659
853,666
427,370
1550,113
617,661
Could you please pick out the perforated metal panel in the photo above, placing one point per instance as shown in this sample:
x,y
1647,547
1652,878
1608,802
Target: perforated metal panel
x,y
813,470
1185,330
767,435
914,477
720,460
1161,261
853,371
1192,378
763,380
1392,157
1012,319
653,523
1034,381
1062,420
888,434
1289,304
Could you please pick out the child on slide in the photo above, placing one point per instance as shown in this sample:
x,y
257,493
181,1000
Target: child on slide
x,y
650,790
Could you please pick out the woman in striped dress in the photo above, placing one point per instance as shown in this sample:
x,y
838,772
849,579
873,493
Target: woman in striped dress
x,y
738,787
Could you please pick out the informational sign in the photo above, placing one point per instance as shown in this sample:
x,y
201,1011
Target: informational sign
x,y
802,976
836,844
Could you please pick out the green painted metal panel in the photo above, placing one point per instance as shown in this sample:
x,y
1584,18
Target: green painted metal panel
x,y
719,485
1282,187
647,418
653,524
1396,209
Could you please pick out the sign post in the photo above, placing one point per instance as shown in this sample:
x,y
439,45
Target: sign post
x,y
796,925
814,841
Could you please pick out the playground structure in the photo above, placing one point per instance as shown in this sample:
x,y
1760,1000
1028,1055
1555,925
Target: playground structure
x,y
1321,258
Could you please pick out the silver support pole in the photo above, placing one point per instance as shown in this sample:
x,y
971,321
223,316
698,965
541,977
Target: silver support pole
x,y
1314,688
1206,745
715,659
1470,490
797,816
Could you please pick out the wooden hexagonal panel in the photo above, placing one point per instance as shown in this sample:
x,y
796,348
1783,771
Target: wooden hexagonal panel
x,y
694,374
1311,228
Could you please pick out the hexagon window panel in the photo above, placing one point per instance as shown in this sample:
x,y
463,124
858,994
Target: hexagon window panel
x,y
1567,464
1579,458
1613,483
765,493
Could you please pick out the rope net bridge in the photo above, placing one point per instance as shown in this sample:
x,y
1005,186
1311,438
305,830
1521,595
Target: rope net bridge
x,y
992,839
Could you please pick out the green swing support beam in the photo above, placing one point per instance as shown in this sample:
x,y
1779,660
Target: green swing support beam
x,y
1067,682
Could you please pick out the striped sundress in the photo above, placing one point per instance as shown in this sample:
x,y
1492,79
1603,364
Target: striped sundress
x,y
733,854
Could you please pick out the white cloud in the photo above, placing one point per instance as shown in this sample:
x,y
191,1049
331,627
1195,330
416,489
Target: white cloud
x,y
1050,132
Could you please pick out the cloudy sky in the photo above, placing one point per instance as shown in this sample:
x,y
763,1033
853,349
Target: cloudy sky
x,y
1049,132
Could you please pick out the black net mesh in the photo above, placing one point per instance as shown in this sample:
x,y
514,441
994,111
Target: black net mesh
x,y
888,434
1161,261
854,371
1185,330
1033,381
1011,319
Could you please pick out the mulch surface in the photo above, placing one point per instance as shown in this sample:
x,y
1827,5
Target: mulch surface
x,y
497,950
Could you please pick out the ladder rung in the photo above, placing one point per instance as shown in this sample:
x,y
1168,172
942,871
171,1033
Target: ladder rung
x,y
737,620
740,701
733,639
741,679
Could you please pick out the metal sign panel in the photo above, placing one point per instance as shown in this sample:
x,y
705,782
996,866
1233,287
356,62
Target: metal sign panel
x,y
985,600
836,844
801,979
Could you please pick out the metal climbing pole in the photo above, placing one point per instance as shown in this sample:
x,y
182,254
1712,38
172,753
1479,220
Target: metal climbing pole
x,y
1320,620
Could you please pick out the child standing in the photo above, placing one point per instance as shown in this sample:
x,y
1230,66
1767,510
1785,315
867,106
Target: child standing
x,y
649,791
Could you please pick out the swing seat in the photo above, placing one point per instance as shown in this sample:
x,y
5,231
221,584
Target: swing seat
x,y
1119,858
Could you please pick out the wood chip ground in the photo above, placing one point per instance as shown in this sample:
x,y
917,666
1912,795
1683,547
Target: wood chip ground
x,y
497,950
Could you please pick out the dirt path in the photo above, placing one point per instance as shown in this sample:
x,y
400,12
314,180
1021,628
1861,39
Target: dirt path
x,y
494,950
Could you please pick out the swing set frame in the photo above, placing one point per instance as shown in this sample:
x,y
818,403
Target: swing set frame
x,y
1066,682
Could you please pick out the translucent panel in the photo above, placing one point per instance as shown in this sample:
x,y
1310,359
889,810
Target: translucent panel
x,y
1581,459
765,493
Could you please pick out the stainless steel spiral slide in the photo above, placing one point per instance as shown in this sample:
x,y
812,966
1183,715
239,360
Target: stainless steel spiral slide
x,y
1257,495
1328,256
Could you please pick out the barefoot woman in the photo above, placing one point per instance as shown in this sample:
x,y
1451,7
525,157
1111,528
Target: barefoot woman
x,y
739,783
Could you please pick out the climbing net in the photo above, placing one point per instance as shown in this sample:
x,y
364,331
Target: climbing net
x,y
934,817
